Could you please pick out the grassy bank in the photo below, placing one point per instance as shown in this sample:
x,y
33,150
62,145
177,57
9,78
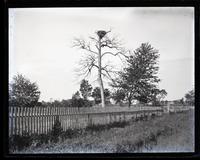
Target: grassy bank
x,y
170,132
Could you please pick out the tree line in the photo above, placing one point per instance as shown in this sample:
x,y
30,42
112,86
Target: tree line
x,y
136,80
24,93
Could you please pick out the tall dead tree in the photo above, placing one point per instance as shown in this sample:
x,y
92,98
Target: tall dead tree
x,y
111,46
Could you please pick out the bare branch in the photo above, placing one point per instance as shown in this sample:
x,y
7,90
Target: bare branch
x,y
94,39
115,54
113,43
86,65
97,47
80,43
107,74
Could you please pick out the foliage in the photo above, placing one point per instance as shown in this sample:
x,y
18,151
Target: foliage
x,y
85,89
19,142
158,96
79,102
56,130
138,80
118,96
23,93
96,94
190,97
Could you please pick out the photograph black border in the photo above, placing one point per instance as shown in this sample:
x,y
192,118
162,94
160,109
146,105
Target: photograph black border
x,y
100,3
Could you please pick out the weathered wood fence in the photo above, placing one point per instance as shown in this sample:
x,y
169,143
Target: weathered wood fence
x,y
40,120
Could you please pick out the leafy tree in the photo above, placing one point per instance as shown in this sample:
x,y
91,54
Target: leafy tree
x,y
138,80
96,94
77,101
65,103
190,97
118,96
107,93
23,93
94,59
158,96
57,130
76,95
85,89
182,101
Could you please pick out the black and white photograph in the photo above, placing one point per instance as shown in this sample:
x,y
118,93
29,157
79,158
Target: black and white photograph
x,y
101,80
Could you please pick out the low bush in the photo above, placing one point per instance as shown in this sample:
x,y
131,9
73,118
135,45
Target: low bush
x,y
102,127
56,131
19,142
42,139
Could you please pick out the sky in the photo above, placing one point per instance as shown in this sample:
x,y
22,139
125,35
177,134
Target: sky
x,y
41,39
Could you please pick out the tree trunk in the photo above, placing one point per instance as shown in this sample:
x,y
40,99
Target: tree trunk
x,y
99,76
129,102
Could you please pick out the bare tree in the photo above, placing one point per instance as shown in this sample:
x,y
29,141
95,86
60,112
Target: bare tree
x,y
98,47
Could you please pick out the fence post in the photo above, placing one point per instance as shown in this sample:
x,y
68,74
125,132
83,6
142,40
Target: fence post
x,y
63,117
44,120
41,120
110,115
70,118
33,114
23,115
89,120
38,120
28,117
11,121
47,119
29,121
20,120
51,118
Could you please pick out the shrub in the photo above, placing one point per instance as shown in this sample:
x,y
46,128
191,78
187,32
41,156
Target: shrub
x,y
56,130
70,133
19,142
43,139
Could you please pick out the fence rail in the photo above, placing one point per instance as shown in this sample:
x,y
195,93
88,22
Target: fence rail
x,y
40,120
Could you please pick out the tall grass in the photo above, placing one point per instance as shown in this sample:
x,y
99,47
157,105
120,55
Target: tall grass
x,y
155,134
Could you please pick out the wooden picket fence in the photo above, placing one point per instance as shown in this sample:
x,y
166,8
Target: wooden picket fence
x,y
40,120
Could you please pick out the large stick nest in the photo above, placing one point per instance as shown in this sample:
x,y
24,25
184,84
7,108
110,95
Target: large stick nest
x,y
101,34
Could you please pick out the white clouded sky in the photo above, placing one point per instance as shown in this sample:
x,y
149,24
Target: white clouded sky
x,y
40,43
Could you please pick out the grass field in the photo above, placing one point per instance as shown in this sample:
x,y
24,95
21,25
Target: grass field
x,y
167,133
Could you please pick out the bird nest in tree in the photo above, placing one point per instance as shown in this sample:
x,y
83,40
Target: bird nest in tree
x,y
101,34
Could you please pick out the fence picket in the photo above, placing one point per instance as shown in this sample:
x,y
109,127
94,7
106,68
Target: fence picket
x,y
33,117
39,120
11,121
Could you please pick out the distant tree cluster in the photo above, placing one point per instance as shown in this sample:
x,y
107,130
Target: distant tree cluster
x,y
86,90
96,94
190,97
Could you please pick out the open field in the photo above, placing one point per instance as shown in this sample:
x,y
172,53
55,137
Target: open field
x,y
167,133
